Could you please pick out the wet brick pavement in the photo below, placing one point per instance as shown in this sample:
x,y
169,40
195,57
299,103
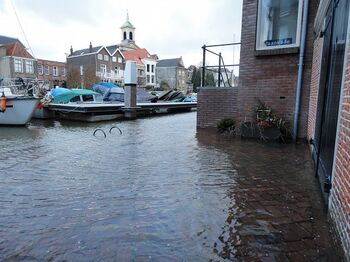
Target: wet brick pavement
x,y
277,212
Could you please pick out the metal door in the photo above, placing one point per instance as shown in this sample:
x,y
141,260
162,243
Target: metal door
x,y
334,45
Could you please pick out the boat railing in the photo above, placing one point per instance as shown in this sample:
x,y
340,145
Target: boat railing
x,y
23,86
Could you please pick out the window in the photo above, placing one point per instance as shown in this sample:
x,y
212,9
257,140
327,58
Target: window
x,y
99,57
120,60
106,58
81,70
18,65
47,70
278,24
124,35
29,67
147,67
114,59
148,79
103,69
87,98
152,68
40,69
55,71
130,35
116,70
152,79
63,71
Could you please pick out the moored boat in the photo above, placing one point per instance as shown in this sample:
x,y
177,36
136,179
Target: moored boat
x,y
16,109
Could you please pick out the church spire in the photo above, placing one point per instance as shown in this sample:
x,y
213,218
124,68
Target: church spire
x,y
128,30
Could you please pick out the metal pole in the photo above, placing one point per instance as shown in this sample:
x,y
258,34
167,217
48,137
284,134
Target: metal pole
x,y
203,68
300,70
219,74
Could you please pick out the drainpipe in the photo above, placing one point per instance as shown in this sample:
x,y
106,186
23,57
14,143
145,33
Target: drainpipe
x,y
300,70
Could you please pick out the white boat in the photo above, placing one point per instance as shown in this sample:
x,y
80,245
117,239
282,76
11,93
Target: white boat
x,y
18,108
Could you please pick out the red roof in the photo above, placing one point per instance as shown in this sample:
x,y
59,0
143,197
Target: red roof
x,y
15,49
136,55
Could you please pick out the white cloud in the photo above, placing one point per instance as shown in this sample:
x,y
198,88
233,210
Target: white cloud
x,y
167,28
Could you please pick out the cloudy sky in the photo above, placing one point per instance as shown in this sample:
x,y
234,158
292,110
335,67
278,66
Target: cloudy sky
x,y
167,28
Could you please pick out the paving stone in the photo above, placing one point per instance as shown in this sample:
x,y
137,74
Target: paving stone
x,y
280,213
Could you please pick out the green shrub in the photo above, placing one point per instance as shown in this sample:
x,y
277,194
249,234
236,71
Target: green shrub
x,y
226,125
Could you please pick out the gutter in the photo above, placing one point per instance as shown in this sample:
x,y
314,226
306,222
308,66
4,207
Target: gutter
x,y
300,70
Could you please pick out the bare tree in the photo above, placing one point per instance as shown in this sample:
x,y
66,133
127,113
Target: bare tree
x,y
90,77
73,78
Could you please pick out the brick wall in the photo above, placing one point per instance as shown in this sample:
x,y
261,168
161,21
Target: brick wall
x,y
315,81
272,78
215,104
339,201
50,77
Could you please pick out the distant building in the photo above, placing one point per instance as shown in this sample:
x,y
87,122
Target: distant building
x,y
52,72
146,66
173,73
4,40
104,62
225,77
15,60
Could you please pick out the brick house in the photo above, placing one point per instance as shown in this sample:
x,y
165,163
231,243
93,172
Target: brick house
x,y
174,73
145,64
104,62
52,72
15,60
309,87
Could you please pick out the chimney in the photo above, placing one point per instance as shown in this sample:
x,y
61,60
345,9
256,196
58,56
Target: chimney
x,y
90,47
71,50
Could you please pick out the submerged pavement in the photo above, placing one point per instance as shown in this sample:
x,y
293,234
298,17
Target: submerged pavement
x,y
277,212
157,192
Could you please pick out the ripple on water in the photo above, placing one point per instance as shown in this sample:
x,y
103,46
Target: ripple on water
x,y
66,194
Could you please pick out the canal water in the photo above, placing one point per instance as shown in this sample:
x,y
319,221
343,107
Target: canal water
x,y
157,191
151,193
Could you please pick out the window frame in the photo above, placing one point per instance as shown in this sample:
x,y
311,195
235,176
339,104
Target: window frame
x,y
116,70
99,56
18,65
29,65
63,71
103,72
276,47
40,69
47,70
105,58
55,71
114,59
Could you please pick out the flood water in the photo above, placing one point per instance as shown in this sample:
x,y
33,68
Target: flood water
x,y
151,192
156,192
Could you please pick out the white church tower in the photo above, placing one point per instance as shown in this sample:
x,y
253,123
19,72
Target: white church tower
x,y
128,32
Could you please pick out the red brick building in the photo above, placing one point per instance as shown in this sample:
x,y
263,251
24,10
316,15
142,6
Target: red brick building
x,y
272,62
52,72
